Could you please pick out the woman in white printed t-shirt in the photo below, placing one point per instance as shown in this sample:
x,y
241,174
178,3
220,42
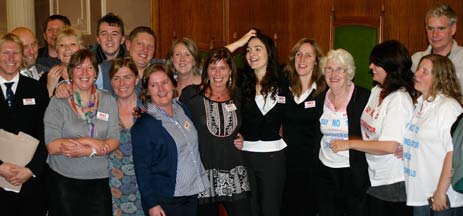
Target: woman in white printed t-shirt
x,y
383,122
343,176
428,145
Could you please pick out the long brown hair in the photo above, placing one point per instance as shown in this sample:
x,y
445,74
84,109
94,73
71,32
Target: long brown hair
x,y
317,76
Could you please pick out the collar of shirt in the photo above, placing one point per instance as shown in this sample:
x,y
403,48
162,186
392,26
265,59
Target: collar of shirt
x,y
14,87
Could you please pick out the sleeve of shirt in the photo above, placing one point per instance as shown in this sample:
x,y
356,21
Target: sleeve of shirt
x,y
399,111
448,114
53,121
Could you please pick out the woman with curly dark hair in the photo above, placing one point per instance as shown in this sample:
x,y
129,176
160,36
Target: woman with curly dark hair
x,y
263,104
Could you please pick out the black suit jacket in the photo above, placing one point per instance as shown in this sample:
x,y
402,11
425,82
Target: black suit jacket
x,y
27,118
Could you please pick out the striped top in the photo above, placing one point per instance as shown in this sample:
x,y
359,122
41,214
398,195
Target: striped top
x,y
191,177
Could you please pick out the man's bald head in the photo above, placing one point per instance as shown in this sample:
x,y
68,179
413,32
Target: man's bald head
x,y
29,41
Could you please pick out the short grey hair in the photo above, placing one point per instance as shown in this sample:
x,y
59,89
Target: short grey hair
x,y
442,9
340,56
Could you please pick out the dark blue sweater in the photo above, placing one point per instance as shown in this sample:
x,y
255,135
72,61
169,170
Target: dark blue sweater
x,y
155,160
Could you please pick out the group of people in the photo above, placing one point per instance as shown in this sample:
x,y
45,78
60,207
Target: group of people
x,y
123,133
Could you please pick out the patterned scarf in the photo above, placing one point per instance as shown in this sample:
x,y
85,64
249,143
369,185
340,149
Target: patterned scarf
x,y
86,113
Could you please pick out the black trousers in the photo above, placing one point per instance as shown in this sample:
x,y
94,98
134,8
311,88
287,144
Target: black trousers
x,y
379,207
266,172
241,207
180,206
300,197
31,200
77,197
339,196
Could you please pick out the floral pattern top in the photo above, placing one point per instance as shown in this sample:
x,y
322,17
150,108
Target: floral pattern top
x,y
126,198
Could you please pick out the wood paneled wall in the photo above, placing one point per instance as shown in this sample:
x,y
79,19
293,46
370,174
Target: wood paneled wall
x,y
288,21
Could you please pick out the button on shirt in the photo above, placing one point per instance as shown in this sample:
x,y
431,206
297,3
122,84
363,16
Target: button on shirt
x,y
191,177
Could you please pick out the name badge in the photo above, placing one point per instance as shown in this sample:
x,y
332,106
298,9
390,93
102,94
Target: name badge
x,y
187,125
230,107
281,99
309,104
29,101
102,116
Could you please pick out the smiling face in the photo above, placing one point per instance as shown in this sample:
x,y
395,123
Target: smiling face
x,y
379,74
84,75
335,75
30,45
304,60
124,82
10,59
257,54
110,39
141,49
219,73
440,33
67,46
161,89
182,59
423,77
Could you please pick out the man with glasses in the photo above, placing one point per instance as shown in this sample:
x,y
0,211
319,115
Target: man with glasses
x,y
441,25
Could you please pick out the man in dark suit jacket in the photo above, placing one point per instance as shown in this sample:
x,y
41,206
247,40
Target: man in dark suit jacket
x,y
24,113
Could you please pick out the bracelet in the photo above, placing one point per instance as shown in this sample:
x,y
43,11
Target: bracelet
x,y
93,154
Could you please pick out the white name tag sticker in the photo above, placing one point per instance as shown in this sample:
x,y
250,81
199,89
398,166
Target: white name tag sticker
x,y
309,104
281,99
28,101
187,125
230,107
102,116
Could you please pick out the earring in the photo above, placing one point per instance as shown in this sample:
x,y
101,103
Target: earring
x,y
230,82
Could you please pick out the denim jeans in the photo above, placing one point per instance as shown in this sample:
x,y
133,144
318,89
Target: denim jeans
x,y
427,211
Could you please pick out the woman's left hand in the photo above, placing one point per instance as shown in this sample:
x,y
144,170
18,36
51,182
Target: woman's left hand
x,y
72,148
101,147
238,142
339,145
439,202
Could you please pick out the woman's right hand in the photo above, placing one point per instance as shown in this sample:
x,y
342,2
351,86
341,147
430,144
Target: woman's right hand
x,y
156,211
53,77
242,41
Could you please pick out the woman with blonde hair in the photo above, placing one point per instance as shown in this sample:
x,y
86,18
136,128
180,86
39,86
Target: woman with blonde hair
x,y
428,148
183,60
67,42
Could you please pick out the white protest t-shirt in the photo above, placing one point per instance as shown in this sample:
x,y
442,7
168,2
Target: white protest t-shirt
x,y
427,141
334,125
386,122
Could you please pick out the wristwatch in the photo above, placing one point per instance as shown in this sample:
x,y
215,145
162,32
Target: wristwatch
x,y
93,154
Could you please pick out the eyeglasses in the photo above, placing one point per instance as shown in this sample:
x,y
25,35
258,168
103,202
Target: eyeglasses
x,y
329,70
